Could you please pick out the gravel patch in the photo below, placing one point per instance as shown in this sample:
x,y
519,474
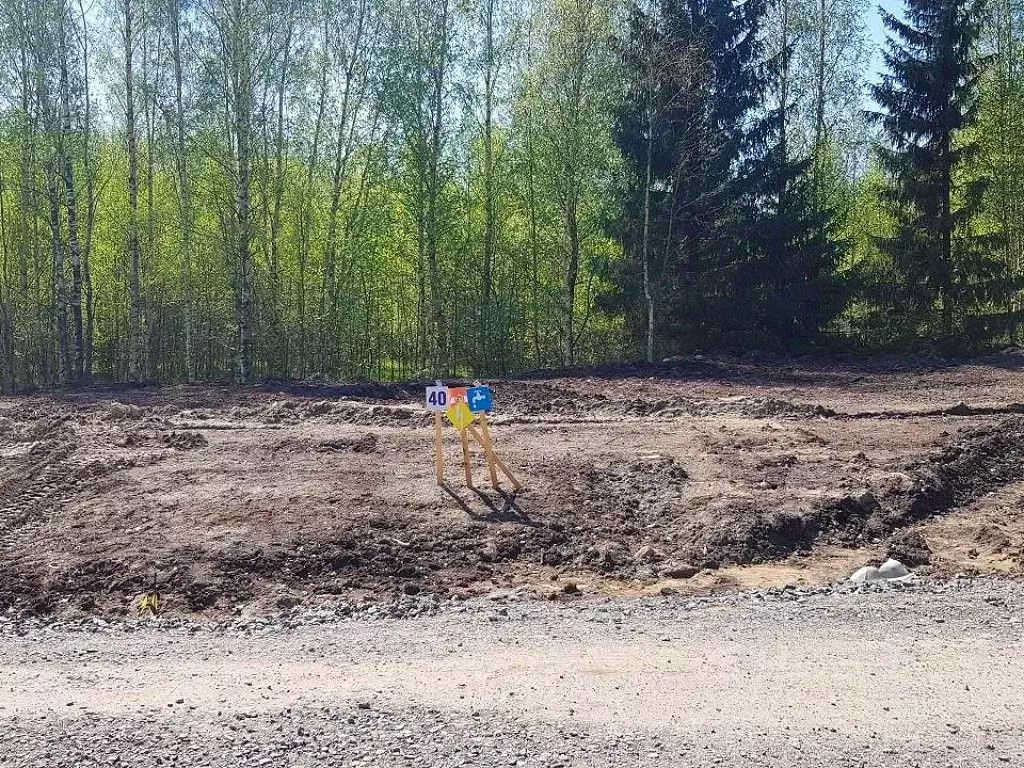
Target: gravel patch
x,y
916,673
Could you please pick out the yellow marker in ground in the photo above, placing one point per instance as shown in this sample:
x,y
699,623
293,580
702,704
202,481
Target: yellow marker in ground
x,y
150,603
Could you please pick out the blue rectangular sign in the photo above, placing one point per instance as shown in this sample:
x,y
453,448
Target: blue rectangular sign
x,y
479,399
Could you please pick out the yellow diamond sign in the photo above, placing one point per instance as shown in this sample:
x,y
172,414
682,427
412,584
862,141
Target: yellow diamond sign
x,y
459,415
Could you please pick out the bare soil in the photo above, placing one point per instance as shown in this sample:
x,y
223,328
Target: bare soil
x,y
692,474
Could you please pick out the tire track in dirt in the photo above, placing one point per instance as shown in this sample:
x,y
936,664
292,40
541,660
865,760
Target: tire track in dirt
x,y
35,469
961,409
582,409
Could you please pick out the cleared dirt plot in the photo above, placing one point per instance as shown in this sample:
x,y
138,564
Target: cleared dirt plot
x,y
688,475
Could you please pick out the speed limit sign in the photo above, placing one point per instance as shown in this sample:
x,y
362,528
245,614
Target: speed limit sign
x,y
437,398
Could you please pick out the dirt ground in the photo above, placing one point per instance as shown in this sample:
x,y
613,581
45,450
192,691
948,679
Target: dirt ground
x,y
692,474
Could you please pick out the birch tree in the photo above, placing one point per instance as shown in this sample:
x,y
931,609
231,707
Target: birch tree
x,y
1000,128
130,32
575,83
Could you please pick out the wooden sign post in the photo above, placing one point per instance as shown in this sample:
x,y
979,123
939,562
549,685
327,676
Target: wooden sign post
x,y
462,406
492,460
484,438
439,447
437,401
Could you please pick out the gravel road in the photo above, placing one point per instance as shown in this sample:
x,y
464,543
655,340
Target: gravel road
x,y
922,675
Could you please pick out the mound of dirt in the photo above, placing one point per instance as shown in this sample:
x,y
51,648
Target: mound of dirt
x,y
761,407
365,443
227,495
633,494
976,463
910,548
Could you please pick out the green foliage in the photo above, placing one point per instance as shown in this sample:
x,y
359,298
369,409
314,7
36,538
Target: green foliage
x,y
943,267
998,132
729,243
395,188
366,199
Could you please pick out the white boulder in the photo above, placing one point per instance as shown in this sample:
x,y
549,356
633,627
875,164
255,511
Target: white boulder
x,y
867,573
892,569
887,571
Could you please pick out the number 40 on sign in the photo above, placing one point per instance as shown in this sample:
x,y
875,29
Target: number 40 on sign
x,y
437,398
463,406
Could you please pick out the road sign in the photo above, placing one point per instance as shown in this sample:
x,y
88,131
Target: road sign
x,y
459,415
463,406
479,399
438,398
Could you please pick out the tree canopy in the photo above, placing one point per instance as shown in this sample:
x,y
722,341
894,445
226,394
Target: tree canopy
x,y
249,189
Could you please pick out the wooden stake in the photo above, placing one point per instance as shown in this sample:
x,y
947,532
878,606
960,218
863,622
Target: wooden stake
x,y
485,440
465,458
492,460
439,447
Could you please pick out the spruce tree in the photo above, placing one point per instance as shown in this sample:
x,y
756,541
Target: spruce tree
x,y
729,248
789,284
693,69
945,265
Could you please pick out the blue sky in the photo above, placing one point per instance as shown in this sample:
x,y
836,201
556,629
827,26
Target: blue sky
x,y
877,32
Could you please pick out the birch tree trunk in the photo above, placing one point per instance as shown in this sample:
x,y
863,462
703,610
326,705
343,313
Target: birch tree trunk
x,y
439,73
89,173
280,340
240,55
6,316
60,294
135,340
487,348
66,169
184,192
646,236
